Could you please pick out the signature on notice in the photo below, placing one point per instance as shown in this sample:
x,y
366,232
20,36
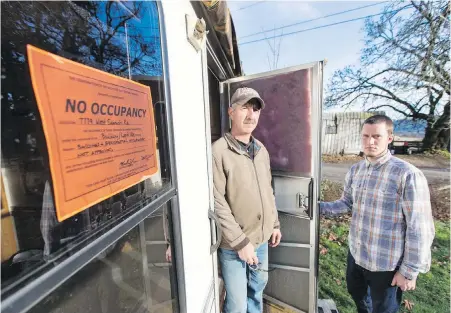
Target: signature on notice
x,y
146,157
127,163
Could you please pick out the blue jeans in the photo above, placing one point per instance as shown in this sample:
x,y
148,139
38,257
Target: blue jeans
x,y
244,286
372,292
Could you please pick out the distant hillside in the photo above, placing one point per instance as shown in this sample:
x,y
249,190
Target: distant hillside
x,y
409,128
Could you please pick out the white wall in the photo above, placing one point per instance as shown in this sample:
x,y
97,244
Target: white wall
x,y
185,75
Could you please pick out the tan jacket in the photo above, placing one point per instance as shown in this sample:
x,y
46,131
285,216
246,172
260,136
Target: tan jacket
x,y
244,200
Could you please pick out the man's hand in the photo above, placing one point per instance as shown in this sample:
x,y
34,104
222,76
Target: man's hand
x,y
169,254
275,238
403,283
247,254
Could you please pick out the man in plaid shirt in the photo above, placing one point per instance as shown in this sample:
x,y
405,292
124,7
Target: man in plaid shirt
x,y
391,229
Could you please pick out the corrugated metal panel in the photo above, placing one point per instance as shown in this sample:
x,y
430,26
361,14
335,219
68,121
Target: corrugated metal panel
x,y
347,138
351,115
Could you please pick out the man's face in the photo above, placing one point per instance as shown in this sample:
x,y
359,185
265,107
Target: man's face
x,y
245,118
375,139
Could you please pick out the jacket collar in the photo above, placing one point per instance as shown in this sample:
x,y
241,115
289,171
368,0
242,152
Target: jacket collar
x,y
235,145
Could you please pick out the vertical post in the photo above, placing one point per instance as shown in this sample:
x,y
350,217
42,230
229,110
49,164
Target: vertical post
x,y
128,51
145,265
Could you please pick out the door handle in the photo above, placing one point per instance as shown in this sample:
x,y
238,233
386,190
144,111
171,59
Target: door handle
x,y
301,200
212,215
304,202
310,199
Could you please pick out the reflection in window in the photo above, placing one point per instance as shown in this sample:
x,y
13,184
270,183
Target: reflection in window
x,y
121,39
132,275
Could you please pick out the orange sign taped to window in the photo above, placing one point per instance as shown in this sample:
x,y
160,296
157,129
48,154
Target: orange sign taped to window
x,y
99,130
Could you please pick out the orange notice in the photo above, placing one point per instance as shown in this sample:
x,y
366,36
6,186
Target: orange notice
x,y
99,130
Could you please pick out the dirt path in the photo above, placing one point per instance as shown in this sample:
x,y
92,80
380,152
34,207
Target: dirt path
x,y
419,160
436,168
337,172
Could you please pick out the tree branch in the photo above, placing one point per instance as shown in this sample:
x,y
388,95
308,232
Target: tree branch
x,y
391,107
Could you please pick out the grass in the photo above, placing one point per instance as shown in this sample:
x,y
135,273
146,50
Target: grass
x,y
443,153
433,289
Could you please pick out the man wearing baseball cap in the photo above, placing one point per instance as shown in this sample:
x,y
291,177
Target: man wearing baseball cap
x,y
245,205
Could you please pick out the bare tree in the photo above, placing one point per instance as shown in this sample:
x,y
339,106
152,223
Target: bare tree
x,y
274,47
404,67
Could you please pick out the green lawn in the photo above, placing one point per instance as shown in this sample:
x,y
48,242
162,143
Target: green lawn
x,y
432,294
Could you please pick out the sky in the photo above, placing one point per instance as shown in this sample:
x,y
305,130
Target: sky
x,y
340,45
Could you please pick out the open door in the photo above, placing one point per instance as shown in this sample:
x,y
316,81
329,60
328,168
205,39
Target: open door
x,y
290,128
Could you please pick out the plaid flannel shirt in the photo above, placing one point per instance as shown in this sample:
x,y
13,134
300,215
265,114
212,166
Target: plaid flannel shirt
x,y
392,226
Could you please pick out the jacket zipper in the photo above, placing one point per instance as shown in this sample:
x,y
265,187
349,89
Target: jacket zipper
x,y
261,198
259,189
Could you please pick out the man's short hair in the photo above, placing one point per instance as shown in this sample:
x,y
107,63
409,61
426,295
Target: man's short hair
x,y
378,119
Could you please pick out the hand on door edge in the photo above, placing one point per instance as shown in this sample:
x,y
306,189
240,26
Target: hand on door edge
x,y
275,238
169,254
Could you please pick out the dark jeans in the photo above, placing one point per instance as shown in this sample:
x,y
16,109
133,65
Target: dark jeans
x,y
372,292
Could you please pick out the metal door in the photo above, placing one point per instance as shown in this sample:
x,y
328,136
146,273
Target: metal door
x,y
290,128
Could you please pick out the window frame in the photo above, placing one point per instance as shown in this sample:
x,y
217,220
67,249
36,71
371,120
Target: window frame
x,y
36,290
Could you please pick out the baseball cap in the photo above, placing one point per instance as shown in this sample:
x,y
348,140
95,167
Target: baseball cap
x,y
243,95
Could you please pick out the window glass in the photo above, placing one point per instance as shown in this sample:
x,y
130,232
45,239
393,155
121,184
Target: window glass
x,y
132,275
119,38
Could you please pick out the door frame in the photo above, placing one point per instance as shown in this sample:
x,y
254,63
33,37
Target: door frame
x,y
211,305
210,61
